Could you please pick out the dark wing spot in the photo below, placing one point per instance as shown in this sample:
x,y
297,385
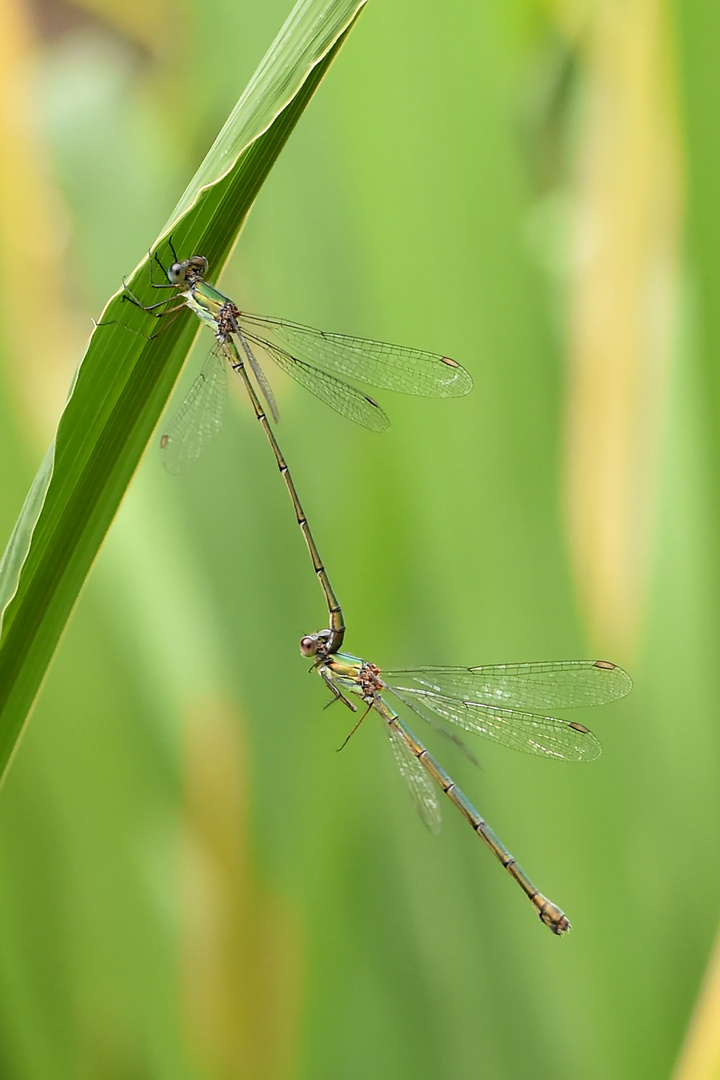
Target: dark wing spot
x,y
579,727
605,665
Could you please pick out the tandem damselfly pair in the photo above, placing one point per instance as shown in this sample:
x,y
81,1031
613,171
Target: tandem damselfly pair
x,y
504,702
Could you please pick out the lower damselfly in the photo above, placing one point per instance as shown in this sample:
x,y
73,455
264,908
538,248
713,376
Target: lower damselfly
x,y
497,701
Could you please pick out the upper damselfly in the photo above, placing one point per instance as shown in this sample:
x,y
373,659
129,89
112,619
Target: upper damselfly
x,y
312,357
318,360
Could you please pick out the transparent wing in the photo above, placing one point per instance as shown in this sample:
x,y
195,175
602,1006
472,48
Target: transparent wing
x,y
419,784
547,736
345,399
560,684
391,367
452,737
264,385
199,418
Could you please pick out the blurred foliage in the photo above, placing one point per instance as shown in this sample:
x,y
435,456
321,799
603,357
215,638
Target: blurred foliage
x,y
194,883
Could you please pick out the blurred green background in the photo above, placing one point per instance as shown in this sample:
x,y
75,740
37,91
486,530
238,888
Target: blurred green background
x,y
194,884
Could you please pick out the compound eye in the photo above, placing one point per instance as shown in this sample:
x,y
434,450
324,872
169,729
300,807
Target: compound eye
x,y
176,273
308,646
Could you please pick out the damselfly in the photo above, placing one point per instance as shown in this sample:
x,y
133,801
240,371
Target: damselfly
x,y
312,357
497,701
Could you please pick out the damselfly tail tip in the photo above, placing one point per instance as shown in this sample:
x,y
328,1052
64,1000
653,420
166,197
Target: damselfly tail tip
x,y
552,916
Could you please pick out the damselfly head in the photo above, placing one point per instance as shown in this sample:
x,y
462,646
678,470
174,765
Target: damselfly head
x,y
315,644
189,272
